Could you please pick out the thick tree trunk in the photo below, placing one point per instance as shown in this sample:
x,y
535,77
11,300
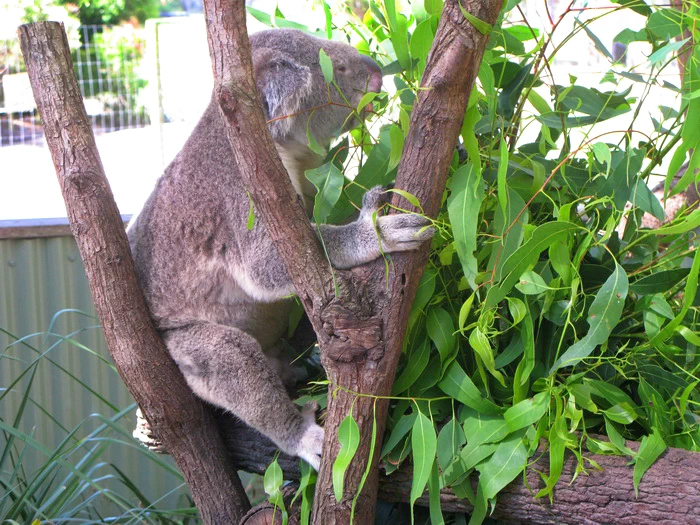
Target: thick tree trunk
x,y
360,328
669,493
184,424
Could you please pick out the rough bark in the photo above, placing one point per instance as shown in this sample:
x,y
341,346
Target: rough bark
x,y
361,327
669,492
184,424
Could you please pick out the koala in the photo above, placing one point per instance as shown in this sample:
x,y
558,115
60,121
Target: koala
x,y
218,291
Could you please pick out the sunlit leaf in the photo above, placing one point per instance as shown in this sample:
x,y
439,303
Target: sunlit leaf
x,y
527,412
506,463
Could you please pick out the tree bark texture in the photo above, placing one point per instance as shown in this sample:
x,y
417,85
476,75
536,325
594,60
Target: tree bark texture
x,y
360,328
669,493
186,427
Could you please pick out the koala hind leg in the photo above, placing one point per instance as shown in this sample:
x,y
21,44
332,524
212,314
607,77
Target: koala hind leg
x,y
226,367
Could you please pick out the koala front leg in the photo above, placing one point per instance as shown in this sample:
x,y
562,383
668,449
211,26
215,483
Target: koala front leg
x,y
226,367
364,240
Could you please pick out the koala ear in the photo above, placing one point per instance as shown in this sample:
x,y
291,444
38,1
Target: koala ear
x,y
283,85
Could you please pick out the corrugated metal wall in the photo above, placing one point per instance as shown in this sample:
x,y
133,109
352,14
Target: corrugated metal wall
x,y
38,278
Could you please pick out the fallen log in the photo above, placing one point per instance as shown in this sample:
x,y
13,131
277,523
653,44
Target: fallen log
x,y
668,494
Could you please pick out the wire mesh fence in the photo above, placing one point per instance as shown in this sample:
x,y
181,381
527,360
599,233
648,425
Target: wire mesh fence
x,y
108,64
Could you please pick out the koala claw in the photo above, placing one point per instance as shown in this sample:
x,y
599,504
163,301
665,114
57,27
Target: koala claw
x,y
144,434
310,446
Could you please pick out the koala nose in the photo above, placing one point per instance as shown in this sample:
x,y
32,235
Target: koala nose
x,y
375,74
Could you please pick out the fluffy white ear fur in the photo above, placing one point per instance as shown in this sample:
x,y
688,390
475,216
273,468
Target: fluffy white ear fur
x,y
283,85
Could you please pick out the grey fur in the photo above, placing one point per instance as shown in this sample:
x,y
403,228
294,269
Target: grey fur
x,y
218,291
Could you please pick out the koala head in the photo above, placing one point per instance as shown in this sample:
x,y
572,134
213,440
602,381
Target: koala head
x,y
294,92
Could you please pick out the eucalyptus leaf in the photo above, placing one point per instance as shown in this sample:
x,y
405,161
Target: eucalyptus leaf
x,y
450,439
659,282
481,345
527,255
467,193
603,316
328,181
457,384
326,66
415,365
442,333
651,447
480,429
507,462
424,445
530,283
666,24
527,412
349,438
397,139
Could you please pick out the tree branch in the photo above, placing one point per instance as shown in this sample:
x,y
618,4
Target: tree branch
x,y
181,421
668,494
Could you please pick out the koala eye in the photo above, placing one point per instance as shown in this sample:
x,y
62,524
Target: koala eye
x,y
283,63
342,69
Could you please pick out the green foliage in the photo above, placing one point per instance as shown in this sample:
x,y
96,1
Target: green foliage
x,y
273,481
111,12
109,68
547,310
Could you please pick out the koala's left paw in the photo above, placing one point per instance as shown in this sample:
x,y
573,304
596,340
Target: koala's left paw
x,y
397,232
403,232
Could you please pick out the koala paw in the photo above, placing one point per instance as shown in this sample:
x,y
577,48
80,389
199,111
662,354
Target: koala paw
x,y
144,434
403,232
397,232
310,446
311,443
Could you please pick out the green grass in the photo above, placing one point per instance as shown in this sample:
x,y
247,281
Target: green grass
x,y
91,472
